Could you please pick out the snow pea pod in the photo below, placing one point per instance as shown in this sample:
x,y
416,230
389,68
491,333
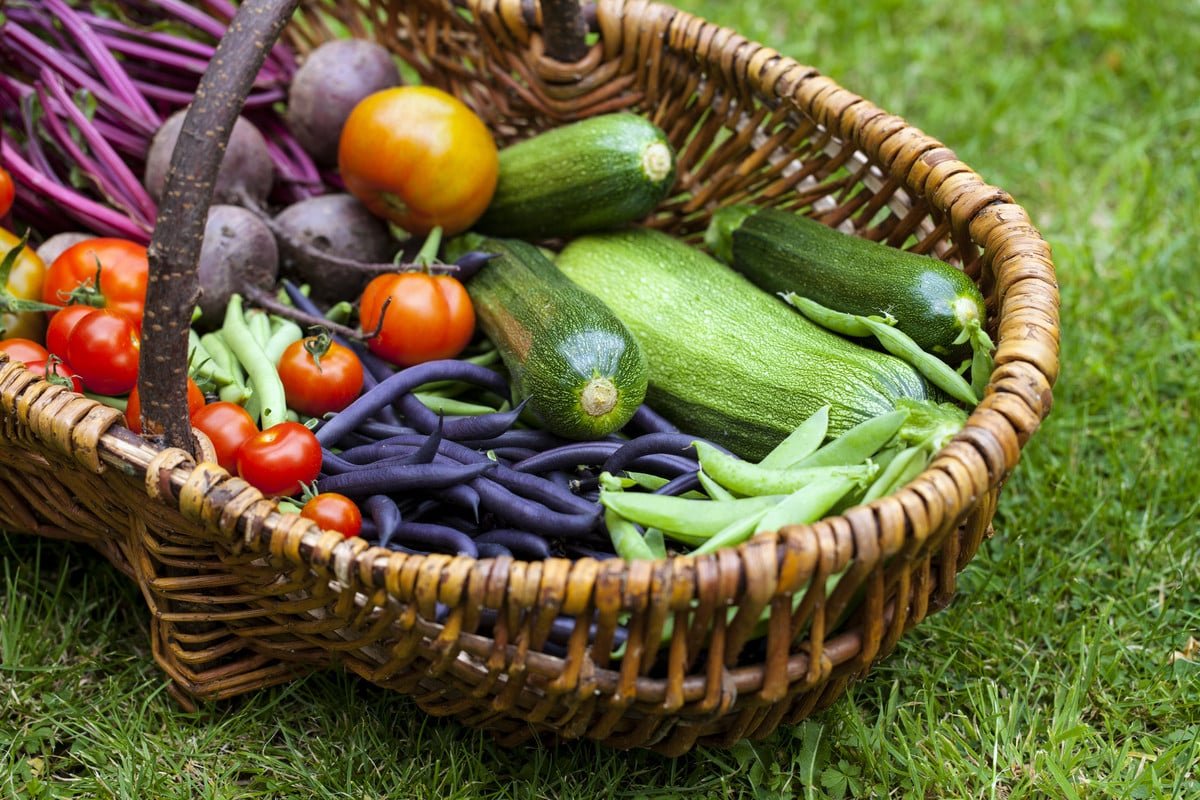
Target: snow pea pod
x,y
627,540
684,519
859,443
747,478
801,442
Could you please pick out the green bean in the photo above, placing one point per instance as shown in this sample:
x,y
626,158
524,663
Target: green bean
x,y
118,403
214,344
683,519
268,389
340,312
654,540
801,442
292,416
859,443
836,321
451,407
747,478
715,490
933,368
259,325
202,364
281,338
238,393
253,404
627,541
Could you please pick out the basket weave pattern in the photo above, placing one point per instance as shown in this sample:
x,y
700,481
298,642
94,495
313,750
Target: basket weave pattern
x,y
242,596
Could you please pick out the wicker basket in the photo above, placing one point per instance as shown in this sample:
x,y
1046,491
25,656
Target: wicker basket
x,y
243,597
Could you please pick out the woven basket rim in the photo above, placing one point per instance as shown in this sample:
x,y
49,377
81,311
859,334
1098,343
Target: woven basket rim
x,y
975,462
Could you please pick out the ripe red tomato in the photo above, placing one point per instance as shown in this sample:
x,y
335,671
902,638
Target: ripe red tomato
x,y
25,350
281,458
124,272
419,157
229,426
60,372
60,327
429,317
320,376
8,192
106,346
133,406
334,512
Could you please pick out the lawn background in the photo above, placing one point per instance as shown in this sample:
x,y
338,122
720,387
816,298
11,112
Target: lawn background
x,y
1063,669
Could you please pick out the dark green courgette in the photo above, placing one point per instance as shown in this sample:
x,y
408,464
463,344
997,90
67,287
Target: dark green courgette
x,y
580,369
933,302
590,175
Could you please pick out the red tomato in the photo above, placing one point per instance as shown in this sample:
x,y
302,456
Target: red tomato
x,y
229,426
133,406
106,345
124,272
23,350
429,317
8,192
419,157
60,372
281,458
320,376
60,327
334,512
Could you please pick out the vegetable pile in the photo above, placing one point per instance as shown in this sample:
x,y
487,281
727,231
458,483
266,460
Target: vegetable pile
x,y
410,334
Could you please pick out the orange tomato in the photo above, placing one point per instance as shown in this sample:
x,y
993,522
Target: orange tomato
x,y
419,157
8,192
429,317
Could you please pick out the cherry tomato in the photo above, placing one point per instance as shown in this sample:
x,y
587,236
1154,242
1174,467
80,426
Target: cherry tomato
x,y
320,376
429,317
61,325
133,406
419,157
25,282
8,192
124,272
229,426
60,372
281,458
106,346
25,350
334,512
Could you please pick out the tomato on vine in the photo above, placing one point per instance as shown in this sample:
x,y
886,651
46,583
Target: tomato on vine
x,y
281,459
55,370
334,512
319,375
103,273
419,157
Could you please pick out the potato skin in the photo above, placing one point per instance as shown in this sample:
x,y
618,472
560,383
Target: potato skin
x,y
330,82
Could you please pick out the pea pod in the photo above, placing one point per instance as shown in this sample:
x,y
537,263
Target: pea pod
x,y
836,321
747,478
687,520
859,443
714,490
282,336
801,442
937,371
627,540
202,364
654,541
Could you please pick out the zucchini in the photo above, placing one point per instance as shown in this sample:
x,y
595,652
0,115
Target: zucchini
x,y
727,361
933,302
590,175
581,370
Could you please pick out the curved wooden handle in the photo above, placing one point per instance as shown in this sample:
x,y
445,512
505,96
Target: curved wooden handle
x,y
179,232
564,29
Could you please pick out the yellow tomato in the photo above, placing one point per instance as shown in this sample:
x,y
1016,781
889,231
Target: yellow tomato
x,y
419,157
24,282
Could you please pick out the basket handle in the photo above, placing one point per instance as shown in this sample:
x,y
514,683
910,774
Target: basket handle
x,y
174,250
564,29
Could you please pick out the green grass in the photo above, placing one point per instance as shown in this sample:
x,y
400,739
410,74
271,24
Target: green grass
x,y
1053,674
